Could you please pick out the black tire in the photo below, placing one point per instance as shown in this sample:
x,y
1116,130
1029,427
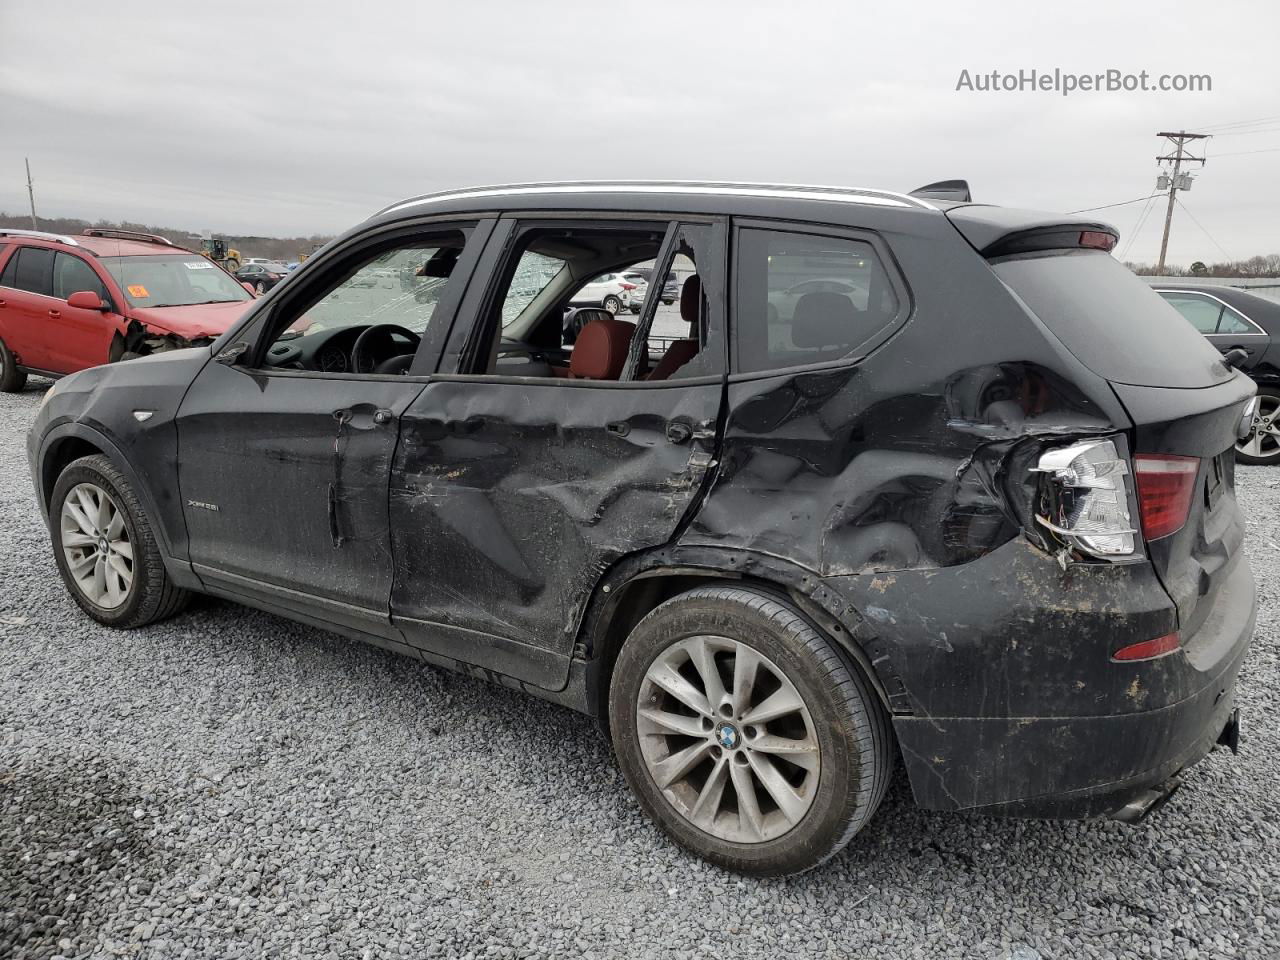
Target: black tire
x,y
12,380
612,304
851,726
152,595
1268,410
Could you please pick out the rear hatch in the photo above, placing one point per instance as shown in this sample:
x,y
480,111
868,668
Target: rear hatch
x,y
1183,400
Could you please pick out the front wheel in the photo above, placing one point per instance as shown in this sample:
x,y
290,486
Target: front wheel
x,y
745,734
105,548
1262,445
612,304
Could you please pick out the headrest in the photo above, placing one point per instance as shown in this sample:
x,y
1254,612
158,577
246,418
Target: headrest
x,y
691,301
576,318
824,319
600,352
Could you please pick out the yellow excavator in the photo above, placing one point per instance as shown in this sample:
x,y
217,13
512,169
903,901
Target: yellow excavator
x,y
216,249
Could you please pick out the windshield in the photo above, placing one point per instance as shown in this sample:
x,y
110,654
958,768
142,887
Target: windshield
x,y
173,280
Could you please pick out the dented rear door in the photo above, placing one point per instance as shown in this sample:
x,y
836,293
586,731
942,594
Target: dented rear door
x,y
511,496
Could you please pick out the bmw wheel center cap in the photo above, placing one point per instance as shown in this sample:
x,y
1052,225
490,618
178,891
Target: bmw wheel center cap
x,y
727,736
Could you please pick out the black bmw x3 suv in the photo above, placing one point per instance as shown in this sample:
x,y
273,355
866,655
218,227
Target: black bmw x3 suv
x,y
916,479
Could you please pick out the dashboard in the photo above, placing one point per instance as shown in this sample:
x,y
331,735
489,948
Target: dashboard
x,y
332,351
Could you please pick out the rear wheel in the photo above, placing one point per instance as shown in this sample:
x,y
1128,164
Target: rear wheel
x,y
105,548
259,288
745,733
612,304
1262,445
12,379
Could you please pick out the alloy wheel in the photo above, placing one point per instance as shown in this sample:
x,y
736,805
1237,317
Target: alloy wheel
x,y
728,739
1263,441
96,546
612,304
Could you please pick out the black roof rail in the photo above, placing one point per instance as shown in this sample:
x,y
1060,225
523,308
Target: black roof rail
x,y
957,190
39,235
126,235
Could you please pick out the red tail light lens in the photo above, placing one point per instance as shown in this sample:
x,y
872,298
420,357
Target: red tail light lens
x,y
627,286
1097,240
1165,487
1148,649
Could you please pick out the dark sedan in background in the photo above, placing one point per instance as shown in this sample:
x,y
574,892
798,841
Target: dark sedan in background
x,y
262,276
1232,319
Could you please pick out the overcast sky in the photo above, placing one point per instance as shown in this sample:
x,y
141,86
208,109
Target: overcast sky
x,y
288,118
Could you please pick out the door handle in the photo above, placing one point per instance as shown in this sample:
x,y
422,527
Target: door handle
x,y
4,303
678,432
55,314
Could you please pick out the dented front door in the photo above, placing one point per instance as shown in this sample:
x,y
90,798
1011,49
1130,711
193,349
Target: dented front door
x,y
509,499
284,485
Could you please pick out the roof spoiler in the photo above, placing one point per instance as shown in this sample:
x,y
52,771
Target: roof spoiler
x,y
957,190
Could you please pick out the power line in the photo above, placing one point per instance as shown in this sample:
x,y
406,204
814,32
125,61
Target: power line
x,y
1108,206
1246,133
1202,229
1240,123
1245,153
1137,227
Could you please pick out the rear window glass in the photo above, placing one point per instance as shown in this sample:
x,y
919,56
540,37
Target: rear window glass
x,y
1115,324
802,298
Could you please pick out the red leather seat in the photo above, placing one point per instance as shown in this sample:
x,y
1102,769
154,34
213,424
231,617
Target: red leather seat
x,y
680,352
600,352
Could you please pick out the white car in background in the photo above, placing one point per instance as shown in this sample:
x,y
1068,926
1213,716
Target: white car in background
x,y
612,291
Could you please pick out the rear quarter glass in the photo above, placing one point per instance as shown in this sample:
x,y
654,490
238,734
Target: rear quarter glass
x,y
1111,321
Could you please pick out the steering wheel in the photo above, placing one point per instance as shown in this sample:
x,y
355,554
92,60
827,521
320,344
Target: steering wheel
x,y
386,330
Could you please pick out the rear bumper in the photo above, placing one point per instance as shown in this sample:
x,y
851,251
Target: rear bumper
x,y
1086,766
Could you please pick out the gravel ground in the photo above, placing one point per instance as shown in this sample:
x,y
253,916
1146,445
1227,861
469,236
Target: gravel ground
x,y
230,784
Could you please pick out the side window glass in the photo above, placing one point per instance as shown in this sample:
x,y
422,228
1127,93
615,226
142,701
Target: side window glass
x,y
31,269
1201,311
73,275
803,298
682,339
549,312
391,294
1234,322
9,277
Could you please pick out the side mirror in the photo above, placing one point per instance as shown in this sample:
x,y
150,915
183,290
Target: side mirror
x,y
1235,357
248,286
228,355
87,300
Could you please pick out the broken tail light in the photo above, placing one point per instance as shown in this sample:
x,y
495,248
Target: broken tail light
x,y
1086,499
1165,487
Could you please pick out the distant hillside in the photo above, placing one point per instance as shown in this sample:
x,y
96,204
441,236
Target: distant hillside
x,y
275,248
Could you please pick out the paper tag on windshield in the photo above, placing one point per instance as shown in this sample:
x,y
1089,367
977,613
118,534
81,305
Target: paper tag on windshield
x,y
199,265
138,290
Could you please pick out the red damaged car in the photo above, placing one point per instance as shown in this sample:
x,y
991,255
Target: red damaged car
x,y
67,303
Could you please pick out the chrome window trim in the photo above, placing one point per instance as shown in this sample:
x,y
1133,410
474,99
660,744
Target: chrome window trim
x,y
1259,332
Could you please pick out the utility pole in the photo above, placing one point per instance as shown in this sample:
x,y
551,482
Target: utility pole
x,y
1177,180
31,195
